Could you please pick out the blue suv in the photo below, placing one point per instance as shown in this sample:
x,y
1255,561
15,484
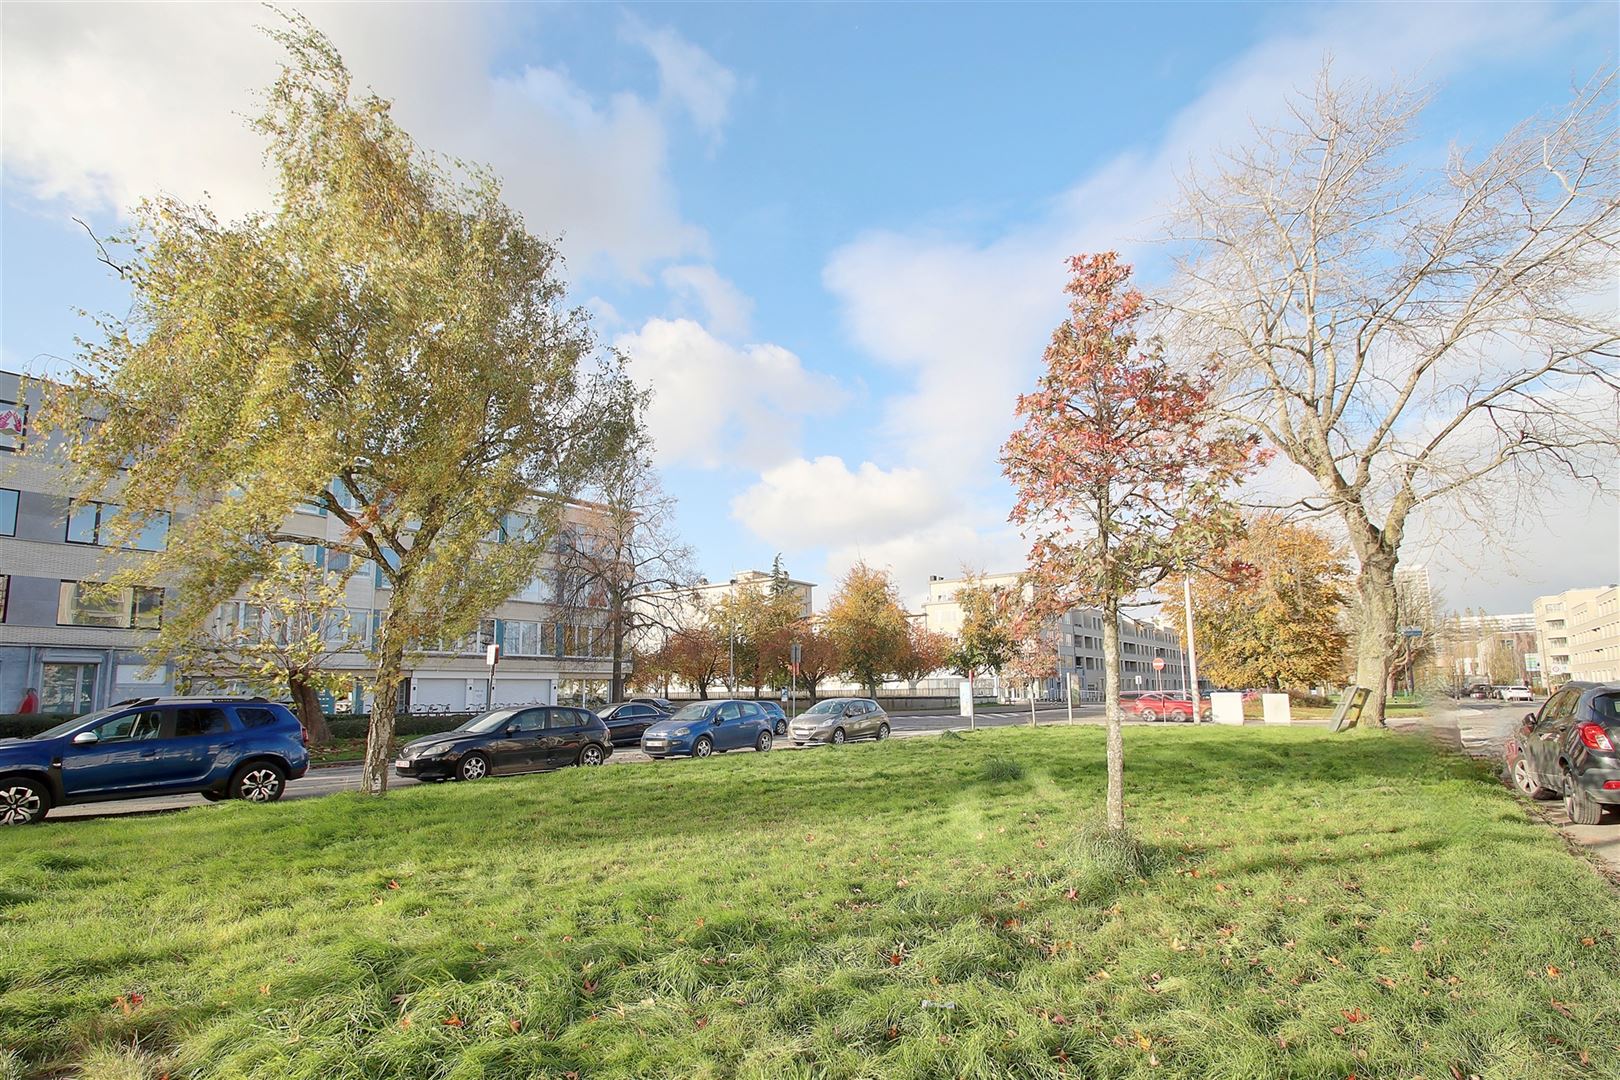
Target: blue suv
x,y
241,748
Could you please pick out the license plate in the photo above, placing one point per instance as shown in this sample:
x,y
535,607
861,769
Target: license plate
x,y
401,764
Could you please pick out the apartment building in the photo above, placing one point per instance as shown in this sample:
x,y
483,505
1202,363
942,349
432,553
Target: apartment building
x,y
1594,635
1078,640
1558,626
80,649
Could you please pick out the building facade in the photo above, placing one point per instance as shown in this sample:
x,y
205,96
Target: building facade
x,y
79,649
1078,641
1576,635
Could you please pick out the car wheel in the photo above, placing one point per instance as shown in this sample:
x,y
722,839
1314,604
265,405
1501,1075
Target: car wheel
x,y
763,743
838,736
474,766
1581,807
1526,782
590,754
882,732
781,727
22,802
258,781
1148,716
703,747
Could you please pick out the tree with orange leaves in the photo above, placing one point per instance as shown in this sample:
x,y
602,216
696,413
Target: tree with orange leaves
x,y
1121,472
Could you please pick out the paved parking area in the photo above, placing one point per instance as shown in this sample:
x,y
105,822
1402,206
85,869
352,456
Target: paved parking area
x,y
334,778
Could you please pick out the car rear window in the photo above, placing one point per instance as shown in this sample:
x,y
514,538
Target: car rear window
x,y
1607,706
253,716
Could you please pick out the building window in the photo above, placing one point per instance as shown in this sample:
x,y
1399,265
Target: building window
x,y
88,524
91,604
13,425
67,688
8,512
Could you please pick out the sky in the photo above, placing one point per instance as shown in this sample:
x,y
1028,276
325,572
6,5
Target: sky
x,y
830,238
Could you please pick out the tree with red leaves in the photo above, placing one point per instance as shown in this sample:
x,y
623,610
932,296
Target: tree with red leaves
x,y
1121,473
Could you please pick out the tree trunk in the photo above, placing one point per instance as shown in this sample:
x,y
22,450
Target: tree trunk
x,y
616,683
310,713
380,732
1376,632
1116,731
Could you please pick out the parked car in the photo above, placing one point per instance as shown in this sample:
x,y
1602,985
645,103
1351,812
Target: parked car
x,y
710,727
1568,749
1168,706
837,720
1515,693
525,738
1482,692
663,705
778,717
627,720
218,747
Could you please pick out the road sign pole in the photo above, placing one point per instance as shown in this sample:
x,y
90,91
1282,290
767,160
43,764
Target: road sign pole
x,y
1192,648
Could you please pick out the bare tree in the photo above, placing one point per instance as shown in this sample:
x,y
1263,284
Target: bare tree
x,y
626,562
1413,339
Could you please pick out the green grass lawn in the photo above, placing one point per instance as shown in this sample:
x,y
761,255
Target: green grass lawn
x,y
1309,905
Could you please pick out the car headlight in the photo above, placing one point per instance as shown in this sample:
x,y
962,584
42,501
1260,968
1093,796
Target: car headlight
x,y
434,751
678,732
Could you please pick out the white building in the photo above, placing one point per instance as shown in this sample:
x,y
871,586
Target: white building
x,y
1078,640
1568,624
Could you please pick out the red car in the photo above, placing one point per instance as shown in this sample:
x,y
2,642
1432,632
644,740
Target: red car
x,y
1166,706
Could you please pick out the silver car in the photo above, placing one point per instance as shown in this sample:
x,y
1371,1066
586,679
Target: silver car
x,y
839,720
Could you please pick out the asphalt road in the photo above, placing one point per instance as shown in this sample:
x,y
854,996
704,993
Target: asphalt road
x,y
335,778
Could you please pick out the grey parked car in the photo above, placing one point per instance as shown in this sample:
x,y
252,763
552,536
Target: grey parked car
x,y
838,720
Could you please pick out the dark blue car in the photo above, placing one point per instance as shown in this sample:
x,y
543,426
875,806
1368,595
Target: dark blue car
x,y
237,748
707,727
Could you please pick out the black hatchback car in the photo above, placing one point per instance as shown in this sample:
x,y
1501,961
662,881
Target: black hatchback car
x,y
528,738
1571,748
628,719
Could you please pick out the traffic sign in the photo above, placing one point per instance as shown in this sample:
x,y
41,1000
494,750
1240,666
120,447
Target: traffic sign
x,y
795,654
1158,663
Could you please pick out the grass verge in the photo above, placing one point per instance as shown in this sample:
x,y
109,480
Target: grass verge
x,y
1289,904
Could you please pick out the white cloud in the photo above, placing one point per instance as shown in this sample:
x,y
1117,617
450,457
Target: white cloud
x,y
727,309
715,403
688,76
804,503
944,548
968,320
105,104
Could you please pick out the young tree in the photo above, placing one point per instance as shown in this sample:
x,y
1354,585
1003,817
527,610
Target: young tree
x,y
986,641
818,655
1416,340
628,559
1279,624
692,654
291,624
390,345
755,622
926,652
868,626
1120,473
1036,658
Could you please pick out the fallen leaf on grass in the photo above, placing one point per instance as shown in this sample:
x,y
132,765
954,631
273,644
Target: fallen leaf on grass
x,y
1562,1008
455,1021
515,1024
405,1022
1355,1016
1552,971
896,959
393,884
702,1022
128,1002
1143,1041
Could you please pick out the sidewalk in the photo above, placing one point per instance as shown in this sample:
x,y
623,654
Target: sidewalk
x,y
1480,731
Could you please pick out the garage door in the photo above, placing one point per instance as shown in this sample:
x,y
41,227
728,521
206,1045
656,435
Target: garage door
x,y
450,693
515,691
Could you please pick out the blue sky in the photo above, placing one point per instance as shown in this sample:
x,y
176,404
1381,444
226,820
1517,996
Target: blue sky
x,y
830,237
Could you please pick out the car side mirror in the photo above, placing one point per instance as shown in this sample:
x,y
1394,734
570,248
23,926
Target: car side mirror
x,y
86,738
1529,720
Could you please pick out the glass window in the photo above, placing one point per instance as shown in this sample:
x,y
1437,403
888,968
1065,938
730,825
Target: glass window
x,y
730,711
253,717
144,724
89,604
13,425
199,720
8,512
84,524
153,534
529,720
66,688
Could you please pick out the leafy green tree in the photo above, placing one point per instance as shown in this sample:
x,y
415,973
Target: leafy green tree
x,y
1280,623
926,652
986,641
868,626
755,623
390,344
